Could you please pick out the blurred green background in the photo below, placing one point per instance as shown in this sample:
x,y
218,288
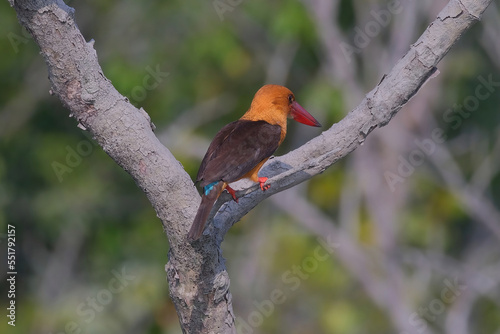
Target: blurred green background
x,y
418,254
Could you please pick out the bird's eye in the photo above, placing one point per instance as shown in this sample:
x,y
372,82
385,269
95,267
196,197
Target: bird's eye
x,y
290,98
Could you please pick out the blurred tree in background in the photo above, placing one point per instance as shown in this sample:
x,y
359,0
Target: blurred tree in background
x,y
415,212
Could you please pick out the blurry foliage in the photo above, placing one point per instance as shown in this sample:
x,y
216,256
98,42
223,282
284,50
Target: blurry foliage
x,y
72,233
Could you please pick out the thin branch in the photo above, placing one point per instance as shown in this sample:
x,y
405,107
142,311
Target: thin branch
x,y
342,71
381,285
474,202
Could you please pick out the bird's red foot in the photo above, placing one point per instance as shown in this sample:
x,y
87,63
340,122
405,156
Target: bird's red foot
x,y
232,193
263,180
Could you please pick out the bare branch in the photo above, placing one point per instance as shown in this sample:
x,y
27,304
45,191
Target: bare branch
x,y
376,110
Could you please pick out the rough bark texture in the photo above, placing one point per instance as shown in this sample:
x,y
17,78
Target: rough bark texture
x,y
198,280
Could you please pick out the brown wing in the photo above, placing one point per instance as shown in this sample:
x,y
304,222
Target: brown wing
x,y
237,149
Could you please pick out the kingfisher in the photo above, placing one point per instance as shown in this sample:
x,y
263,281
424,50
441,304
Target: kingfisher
x,y
240,148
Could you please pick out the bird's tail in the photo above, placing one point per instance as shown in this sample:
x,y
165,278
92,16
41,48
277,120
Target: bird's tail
x,y
208,198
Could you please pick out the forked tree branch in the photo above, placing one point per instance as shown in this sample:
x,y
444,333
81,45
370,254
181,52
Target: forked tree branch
x,y
198,280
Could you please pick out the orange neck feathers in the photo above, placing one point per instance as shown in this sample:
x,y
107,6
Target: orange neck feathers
x,y
271,103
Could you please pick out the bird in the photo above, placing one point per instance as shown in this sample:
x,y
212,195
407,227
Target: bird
x,y
241,147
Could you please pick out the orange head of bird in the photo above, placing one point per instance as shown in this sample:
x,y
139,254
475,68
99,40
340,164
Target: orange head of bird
x,y
274,104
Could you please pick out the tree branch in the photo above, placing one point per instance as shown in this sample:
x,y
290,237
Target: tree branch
x,y
198,281
376,110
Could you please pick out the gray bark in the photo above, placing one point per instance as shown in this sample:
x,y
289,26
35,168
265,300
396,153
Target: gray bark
x,y
197,277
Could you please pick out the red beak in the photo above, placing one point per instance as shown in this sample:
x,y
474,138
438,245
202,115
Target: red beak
x,y
301,115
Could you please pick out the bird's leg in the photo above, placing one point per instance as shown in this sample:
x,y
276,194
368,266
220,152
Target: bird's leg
x,y
232,193
263,180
